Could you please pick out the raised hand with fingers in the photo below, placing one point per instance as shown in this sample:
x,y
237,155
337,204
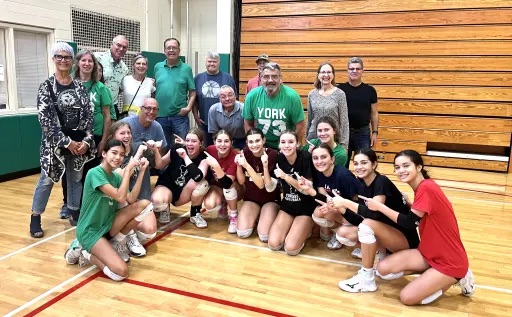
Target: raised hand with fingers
x,y
311,146
140,151
371,203
182,153
153,144
144,163
264,158
279,172
178,139
211,161
240,159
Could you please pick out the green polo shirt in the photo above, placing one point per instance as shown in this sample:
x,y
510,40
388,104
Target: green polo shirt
x,y
172,87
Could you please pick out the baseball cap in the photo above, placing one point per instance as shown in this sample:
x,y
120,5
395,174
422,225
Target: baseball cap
x,y
262,57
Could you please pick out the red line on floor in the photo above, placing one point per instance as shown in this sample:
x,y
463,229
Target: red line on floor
x,y
62,295
97,274
207,298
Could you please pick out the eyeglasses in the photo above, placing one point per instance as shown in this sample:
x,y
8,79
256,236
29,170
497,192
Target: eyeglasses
x,y
267,77
327,72
121,46
150,109
354,69
172,48
61,58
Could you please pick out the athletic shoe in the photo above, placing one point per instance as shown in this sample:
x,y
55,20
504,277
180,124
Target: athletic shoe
x,y
334,244
358,283
133,244
223,212
325,237
83,259
232,223
357,253
380,255
72,254
199,221
467,284
165,216
64,212
120,248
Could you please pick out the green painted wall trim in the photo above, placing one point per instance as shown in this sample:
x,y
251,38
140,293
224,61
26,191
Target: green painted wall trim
x,y
225,63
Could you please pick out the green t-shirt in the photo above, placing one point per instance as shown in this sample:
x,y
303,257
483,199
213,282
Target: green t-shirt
x,y
340,155
273,115
172,87
100,98
98,210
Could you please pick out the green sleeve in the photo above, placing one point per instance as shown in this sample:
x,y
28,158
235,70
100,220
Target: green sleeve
x,y
247,110
98,177
340,156
105,98
190,79
297,111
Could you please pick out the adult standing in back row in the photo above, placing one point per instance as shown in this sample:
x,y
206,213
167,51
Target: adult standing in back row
x,y
362,109
175,92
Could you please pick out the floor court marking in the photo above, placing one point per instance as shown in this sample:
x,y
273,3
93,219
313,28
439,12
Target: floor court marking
x,y
35,244
205,298
487,287
178,222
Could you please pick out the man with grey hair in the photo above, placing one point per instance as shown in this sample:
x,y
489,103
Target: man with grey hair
x,y
114,68
362,109
227,115
274,107
208,86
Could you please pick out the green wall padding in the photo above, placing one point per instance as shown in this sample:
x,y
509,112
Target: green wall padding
x,y
30,135
153,58
10,144
74,46
225,63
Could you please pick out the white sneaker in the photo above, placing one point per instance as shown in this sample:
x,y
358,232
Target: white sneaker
x,y
83,260
358,283
467,284
120,248
357,253
199,221
133,244
233,220
334,244
165,216
72,254
380,255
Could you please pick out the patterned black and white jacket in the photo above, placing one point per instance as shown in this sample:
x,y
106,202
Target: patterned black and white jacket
x,y
52,138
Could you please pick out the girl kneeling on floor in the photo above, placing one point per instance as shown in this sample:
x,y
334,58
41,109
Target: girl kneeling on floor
x,y
102,228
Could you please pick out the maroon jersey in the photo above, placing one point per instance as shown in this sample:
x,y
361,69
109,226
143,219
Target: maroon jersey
x,y
252,192
227,164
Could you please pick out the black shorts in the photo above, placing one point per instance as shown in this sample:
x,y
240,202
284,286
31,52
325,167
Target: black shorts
x,y
170,185
294,210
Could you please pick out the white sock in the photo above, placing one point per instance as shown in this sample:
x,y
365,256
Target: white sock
x,y
390,276
112,275
367,273
432,297
86,255
233,213
131,232
119,237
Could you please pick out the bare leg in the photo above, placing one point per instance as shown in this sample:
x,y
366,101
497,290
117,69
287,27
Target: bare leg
x,y
279,230
299,232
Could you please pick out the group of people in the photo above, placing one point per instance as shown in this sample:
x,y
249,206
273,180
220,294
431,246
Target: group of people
x,y
291,173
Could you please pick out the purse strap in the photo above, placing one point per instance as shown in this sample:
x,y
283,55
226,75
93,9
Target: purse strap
x,y
135,94
60,115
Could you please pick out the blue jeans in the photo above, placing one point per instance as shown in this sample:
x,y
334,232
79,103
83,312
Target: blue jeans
x,y
45,184
178,125
358,139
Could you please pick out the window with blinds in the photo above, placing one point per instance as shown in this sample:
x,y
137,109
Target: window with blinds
x,y
3,70
31,61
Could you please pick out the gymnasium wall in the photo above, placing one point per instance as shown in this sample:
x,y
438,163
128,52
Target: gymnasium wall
x,y
442,68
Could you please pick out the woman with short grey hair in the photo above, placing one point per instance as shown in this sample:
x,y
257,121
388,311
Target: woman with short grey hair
x,y
66,118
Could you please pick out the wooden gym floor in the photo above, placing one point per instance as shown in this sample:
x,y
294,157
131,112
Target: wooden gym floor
x,y
192,272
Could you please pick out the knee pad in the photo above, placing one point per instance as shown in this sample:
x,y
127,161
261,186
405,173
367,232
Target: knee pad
x,y
390,276
263,237
201,188
160,207
144,213
230,193
294,252
365,234
145,236
244,233
112,275
322,222
345,241
212,212
279,247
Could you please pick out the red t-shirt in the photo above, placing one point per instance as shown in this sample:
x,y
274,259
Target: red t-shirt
x,y
440,242
227,163
252,192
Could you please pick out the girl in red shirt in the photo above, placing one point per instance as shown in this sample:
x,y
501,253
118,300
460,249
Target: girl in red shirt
x,y
440,256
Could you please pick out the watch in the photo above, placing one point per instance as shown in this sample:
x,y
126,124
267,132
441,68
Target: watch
x,y
375,132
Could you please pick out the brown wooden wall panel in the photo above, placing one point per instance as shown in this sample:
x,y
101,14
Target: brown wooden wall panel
x,y
448,48
379,20
446,136
445,107
435,78
435,33
407,63
395,146
336,7
445,122
453,162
